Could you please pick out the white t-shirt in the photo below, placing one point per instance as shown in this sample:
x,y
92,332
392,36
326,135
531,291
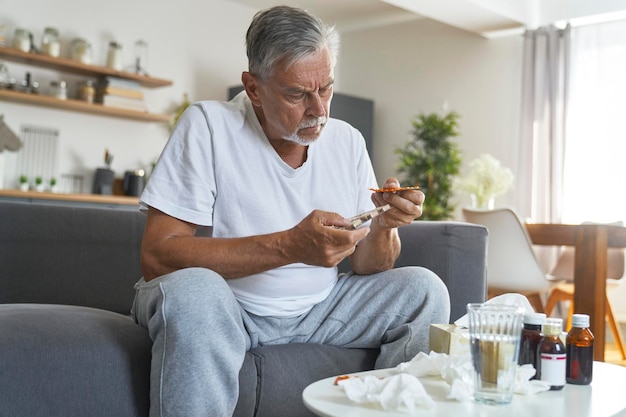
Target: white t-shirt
x,y
218,169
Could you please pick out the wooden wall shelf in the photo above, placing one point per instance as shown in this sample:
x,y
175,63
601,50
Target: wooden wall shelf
x,y
98,199
80,106
74,67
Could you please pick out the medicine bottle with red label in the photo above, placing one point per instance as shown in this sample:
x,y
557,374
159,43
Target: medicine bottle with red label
x,y
552,355
579,348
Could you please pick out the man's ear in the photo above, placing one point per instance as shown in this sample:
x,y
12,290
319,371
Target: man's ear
x,y
251,85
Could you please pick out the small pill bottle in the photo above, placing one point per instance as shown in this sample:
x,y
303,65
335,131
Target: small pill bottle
x,y
579,348
552,355
530,338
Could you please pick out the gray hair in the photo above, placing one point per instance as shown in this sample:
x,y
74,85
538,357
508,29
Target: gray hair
x,y
283,35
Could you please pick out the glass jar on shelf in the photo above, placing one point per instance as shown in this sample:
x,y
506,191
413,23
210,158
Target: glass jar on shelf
x,y
5,80
3,39
86,91
114,56
141,57
80,50
22,40
58,89
50,44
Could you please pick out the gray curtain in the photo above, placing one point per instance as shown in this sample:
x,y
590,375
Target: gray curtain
x,y
544,108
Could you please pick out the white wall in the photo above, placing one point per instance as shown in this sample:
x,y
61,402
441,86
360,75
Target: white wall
x,y
199,45
408,68
416,66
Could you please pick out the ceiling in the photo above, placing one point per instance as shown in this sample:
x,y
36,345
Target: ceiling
x,y
487,18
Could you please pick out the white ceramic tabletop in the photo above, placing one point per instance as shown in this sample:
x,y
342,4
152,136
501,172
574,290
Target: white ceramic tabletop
x,y
604,397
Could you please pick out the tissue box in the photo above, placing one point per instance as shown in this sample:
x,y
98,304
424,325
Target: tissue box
x,y
449,338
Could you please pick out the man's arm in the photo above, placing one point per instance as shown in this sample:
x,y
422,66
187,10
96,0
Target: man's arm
x,y
380,249
169,244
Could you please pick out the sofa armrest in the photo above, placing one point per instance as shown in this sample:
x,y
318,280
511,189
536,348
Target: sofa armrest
x,y
455,251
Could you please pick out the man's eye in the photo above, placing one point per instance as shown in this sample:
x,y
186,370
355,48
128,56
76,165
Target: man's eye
x,y
298,97
325,92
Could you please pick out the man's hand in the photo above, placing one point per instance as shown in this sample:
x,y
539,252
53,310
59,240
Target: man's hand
x,y
319,239
407,205
381,248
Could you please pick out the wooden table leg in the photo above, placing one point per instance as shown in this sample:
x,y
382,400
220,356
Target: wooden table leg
x,y
590,281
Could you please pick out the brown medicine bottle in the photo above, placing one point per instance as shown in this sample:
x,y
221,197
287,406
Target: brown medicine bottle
x,y
552,356
531,336
579,347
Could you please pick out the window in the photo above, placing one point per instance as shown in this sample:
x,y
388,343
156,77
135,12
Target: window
x,y
594,186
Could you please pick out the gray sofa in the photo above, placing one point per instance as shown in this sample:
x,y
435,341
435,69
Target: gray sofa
x,y
68,347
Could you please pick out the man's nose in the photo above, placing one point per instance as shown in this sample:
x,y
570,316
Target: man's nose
x,y
316,105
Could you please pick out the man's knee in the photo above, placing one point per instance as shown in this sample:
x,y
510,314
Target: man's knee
x,y
189,292
196,287
420,278
421,281
193,279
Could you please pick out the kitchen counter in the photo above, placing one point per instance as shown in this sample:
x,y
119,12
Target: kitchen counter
x,y
94,200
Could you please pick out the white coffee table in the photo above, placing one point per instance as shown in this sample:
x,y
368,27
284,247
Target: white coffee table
x,y
605,397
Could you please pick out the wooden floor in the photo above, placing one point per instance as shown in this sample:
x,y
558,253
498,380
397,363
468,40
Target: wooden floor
x,y
612,355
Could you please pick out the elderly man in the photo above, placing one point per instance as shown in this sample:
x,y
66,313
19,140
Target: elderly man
x,y
275,178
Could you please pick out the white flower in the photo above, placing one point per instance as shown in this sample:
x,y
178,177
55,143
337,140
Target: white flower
x,y
487,178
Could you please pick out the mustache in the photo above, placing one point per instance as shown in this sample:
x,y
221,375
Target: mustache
x,y
313,122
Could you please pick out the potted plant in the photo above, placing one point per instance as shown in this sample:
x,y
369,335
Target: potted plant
x,y
53,185
39,184
24,183
486,180
431,160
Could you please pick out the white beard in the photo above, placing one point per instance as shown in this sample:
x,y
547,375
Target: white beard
x,y
293,137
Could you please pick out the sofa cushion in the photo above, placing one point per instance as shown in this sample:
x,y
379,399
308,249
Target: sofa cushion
x,y
69,255
287,369
72,361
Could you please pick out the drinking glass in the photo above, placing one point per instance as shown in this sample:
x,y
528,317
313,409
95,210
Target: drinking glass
x,y
495,331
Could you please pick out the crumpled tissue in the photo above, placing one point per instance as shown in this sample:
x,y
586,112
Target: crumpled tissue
x,y
390,392
526,386
457,371
404,387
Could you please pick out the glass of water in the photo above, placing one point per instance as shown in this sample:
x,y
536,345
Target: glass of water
x,y
495,331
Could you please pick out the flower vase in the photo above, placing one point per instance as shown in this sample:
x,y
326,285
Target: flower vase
x,y
483,202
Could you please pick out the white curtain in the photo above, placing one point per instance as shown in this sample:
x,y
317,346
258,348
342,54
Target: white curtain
x,y
595,170
544,109
595,167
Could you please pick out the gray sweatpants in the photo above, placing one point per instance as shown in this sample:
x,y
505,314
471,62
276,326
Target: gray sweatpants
x,y
200,333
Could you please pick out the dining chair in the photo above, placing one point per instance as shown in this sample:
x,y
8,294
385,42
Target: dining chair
x,y
512,265
564,270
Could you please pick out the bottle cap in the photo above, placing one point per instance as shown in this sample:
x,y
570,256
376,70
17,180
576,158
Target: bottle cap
x,y
580,320
552,327
534,318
